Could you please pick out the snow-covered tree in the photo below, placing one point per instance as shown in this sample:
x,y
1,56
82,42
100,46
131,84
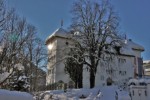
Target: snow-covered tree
x,y
19,81
95,27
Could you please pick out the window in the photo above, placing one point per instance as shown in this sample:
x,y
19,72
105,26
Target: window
x,y
87,69
102,77
133,92
108,58
122,73
121,60
117,48
145,93
67,43
109,71
135,60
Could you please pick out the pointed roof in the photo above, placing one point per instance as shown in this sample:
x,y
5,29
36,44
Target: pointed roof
x,y
60,32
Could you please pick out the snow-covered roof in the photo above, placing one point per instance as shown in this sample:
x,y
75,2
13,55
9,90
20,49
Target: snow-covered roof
x,y
126,50
133,81
60,32
128,47
141,80
134,45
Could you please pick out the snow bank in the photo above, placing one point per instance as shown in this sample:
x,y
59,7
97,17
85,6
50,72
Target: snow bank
x,y
135,81
14,95
101,93
123,95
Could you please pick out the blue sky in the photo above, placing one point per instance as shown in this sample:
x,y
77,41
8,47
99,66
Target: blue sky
x,y
46,15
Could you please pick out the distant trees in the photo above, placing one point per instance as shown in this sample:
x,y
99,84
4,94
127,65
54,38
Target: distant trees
x,y
18,44
95,28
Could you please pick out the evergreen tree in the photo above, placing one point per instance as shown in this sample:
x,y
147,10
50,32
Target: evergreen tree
x,y
74,66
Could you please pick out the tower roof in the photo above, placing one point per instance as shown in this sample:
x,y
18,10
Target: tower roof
x,y
60,32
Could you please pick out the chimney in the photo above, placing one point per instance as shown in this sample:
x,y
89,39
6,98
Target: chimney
x,y
130,39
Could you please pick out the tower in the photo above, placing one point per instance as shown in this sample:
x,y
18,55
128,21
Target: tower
x,y
56,44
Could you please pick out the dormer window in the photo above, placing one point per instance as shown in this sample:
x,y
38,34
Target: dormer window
x,y
67,43
117,48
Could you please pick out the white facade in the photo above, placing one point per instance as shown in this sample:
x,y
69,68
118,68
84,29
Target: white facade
x,y
121,68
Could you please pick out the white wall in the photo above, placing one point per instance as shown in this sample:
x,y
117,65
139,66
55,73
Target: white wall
x,y
103,73
137,53
51,62
148,91
60,73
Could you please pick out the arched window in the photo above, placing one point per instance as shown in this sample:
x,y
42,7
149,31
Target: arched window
x,y
109,81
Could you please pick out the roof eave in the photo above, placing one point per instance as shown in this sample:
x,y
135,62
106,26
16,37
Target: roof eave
x,y
138,49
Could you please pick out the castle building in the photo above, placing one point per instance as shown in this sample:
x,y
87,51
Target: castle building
x,y
127,64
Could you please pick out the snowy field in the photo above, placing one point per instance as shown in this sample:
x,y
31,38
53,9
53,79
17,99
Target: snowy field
x,y
103,93
14,95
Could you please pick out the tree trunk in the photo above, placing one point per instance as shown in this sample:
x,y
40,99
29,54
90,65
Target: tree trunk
x,y
92,79
76,84
92,70
76,81
80,85
80,82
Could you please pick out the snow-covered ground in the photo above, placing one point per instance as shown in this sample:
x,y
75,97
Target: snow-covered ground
x,y
14,95
103,93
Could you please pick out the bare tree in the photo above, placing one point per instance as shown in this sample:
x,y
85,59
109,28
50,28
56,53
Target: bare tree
x,y
95,27
37,59
13,40
18,44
